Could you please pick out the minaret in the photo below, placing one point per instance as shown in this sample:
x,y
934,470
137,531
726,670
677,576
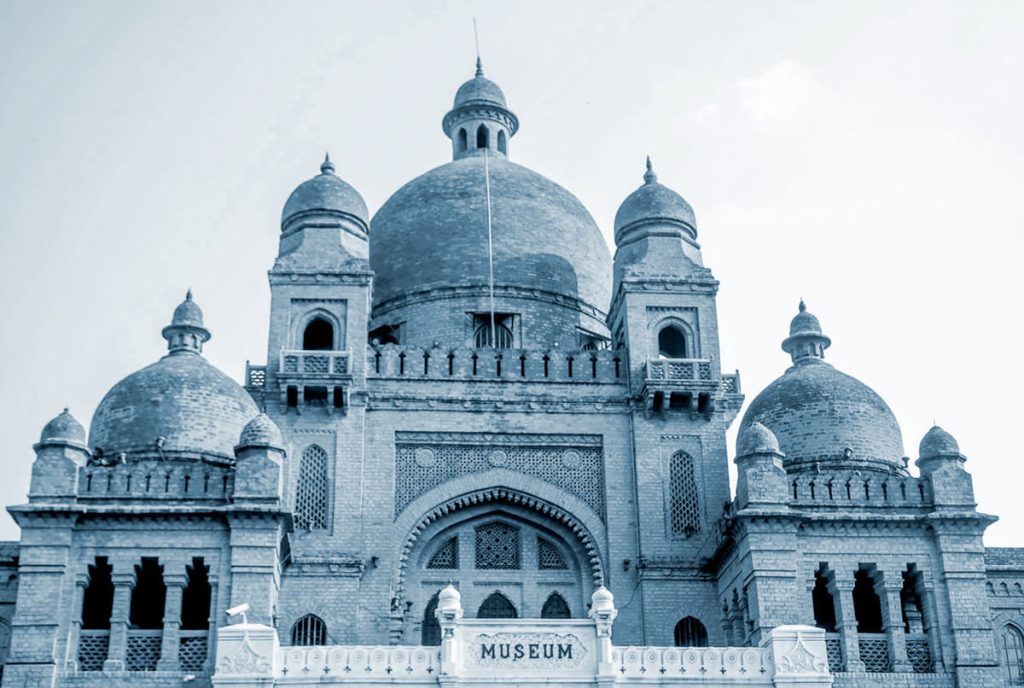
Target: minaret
x,y
479,119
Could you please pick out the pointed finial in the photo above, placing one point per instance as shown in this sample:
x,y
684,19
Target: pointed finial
x,y
649,176
188,294
327,167
479,67
803,306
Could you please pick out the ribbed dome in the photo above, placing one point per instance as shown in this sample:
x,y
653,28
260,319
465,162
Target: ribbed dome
x,y
817,413
261,431
937,442
654,202
182,398
433,233
63,428
325,193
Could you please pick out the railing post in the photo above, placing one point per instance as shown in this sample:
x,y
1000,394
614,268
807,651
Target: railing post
x,y
75,632
124,584
892,614
171,642
847,622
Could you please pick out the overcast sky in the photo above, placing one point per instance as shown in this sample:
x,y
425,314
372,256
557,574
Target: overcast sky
x,y
867,156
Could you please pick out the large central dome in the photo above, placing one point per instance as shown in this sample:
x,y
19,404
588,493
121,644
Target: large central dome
x,y
433,233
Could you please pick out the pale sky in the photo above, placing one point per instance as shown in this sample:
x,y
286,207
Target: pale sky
x,y
866,156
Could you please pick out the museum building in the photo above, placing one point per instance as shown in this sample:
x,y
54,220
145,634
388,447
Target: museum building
x,y
483,450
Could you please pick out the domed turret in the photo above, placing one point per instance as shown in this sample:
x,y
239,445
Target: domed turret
x,y
937,442
479,120
654,204
261,431
324,197
756,439
63,429
180,404
819,414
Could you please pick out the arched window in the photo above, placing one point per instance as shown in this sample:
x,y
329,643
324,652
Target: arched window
x,y
867,608
499,338
463,140
497,547
147,605
318,335
684,502
431,629
502,144
555,607
98,601
483,137
671,342
823,603
549,558
311,497
690,632
1013,655
446,556
309,630
195,601
497,606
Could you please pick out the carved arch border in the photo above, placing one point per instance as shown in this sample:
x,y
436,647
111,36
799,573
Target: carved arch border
x,y
500,495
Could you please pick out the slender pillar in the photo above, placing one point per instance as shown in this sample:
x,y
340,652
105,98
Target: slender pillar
x,y
213,623
171,642
846,620
124,584
889,589
75,630
931,626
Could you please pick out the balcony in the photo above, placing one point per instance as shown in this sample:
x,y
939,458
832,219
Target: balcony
x,y
315,365
314,379
691,384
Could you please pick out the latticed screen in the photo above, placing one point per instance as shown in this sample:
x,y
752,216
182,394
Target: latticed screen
x,y
446,556
309,630
684,502
549,558
497,546
311,497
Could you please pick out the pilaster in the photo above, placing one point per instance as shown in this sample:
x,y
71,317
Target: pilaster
x,y
846,620
75,628
171,642
890,588
124,585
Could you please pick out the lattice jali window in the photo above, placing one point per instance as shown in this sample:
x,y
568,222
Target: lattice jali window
x,y
311,496
684,500
143,650
874,651
309,630
446,556
573,463
497,546
93,647
834,651
549,558
316,364
919,654
192,652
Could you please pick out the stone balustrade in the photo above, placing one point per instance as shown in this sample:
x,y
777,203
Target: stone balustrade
x,y
675,664
296,363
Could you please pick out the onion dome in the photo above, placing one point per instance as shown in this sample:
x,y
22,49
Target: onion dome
x,y
819,414
261,431
179,405
63,429
654,204
325,196
449,598
937,442
602,600
756,439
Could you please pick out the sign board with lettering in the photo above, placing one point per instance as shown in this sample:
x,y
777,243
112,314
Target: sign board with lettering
x,y
551,649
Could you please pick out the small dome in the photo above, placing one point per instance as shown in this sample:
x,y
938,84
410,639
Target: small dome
x,y
938,442
63,428
449,598
756,439
261,431
655,202
188,313
325,193
602,599
479,91
804,322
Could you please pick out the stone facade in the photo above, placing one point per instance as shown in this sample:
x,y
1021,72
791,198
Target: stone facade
x,y
468,393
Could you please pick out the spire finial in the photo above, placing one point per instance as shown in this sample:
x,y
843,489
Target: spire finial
x,y
327,167
649,176
803,306
479,67
476,42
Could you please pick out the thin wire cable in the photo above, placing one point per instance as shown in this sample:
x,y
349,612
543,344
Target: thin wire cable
x,y
490,244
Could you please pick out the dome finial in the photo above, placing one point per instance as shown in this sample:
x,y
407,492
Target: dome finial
x,y
479,67
327,167
649,176
803,306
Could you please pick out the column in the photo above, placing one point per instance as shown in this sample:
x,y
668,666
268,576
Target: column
x,y
124,584
75,631
931,626
846,620
212,624
889,589
171,642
